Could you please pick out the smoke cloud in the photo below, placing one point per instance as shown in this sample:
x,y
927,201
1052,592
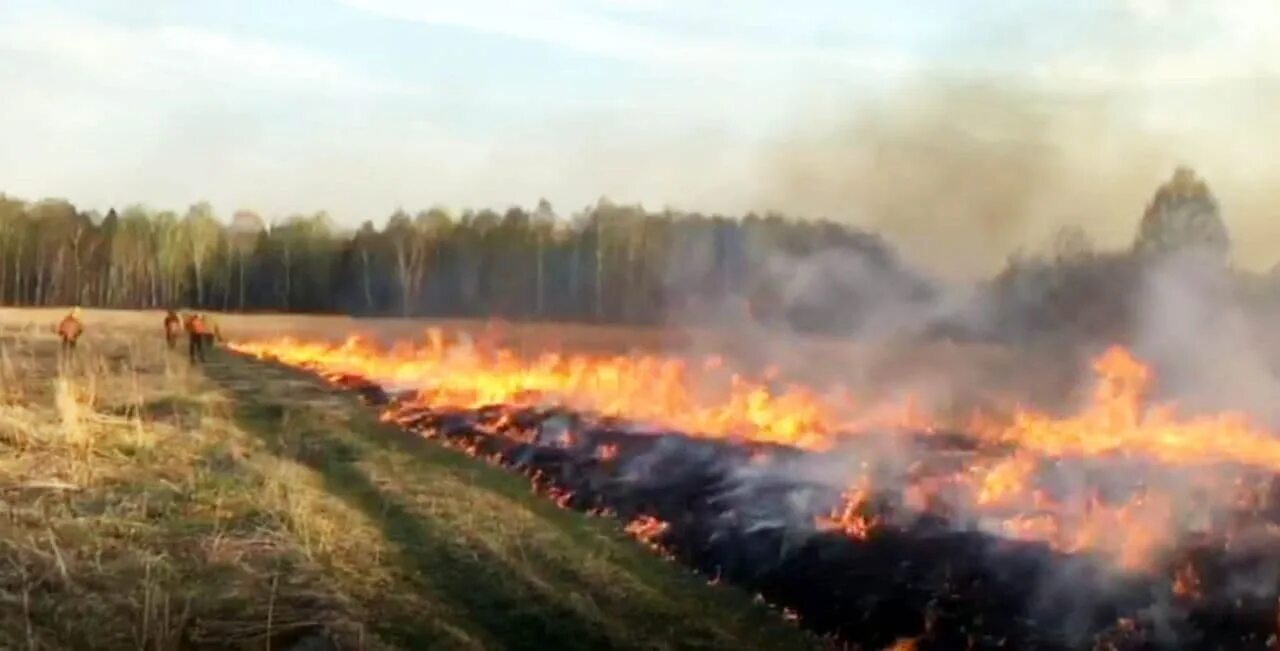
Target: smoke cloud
x,y
1208,347
961,174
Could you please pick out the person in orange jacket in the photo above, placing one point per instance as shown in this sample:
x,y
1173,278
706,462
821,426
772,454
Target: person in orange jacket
x,y
198,335
172,327
69,330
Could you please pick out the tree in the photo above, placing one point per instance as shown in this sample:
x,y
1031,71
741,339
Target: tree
x,y
544,224
1183,216
410,253
367,245
100,261
201,234
608,262
172,256
1071,244
12,236
58,232
303,252
246,231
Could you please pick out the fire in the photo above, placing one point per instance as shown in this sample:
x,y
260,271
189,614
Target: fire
x,y
647,529
607,452
1011,484
1008,478
1186,581
852,518
1118,423
904,644
706,399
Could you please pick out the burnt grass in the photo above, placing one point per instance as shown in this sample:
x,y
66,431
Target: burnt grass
x,y
938,583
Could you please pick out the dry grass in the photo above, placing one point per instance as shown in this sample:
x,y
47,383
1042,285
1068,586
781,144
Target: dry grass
x,y
149,505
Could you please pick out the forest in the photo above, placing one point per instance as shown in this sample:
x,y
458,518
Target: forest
x,y
607,263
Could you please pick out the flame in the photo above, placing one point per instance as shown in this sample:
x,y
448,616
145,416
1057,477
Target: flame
x,y
851,517
607,452
1006,479
1117,423
1005,485
706,399
1186,581
647,529
1133,529
904,644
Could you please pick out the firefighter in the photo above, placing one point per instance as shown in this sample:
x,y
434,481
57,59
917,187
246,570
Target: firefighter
x,y
70,329
172,327
197,337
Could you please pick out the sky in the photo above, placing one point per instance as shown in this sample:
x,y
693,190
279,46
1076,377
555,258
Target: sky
x,y
939,122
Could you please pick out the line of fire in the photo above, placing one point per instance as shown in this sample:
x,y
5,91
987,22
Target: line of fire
x,y
1121,518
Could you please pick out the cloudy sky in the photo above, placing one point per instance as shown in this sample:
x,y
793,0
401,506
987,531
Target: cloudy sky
x,y
360,106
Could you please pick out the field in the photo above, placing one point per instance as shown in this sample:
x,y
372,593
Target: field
x,y
152,505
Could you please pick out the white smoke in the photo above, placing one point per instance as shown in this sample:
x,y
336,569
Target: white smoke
x,y
1206,344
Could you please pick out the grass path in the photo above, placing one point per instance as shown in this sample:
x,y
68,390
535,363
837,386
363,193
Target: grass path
x,y
146,505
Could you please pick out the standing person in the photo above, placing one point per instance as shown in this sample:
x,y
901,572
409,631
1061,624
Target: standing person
x,y
70,329
197,336
172,326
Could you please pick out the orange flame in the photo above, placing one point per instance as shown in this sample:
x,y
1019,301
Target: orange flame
x,y
705,400
1000,483
647,529
1186,581
1117,423
904,644
851,518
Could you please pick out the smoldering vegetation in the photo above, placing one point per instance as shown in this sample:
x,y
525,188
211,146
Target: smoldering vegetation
x,y
1171,294
958,177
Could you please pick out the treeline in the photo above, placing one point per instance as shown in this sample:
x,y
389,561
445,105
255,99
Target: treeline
x,y
607,263
1077,290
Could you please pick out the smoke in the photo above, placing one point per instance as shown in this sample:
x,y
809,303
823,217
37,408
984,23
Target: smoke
x,y
852,291
1206,344
959,175
1183,314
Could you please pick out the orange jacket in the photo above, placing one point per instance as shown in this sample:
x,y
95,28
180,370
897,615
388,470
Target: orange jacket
x,y
70,328
197,326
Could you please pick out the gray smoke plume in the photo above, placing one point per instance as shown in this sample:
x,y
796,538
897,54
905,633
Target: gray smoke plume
x,y
960,174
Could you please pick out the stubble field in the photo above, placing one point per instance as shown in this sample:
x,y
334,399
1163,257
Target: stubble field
x,y
148,504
